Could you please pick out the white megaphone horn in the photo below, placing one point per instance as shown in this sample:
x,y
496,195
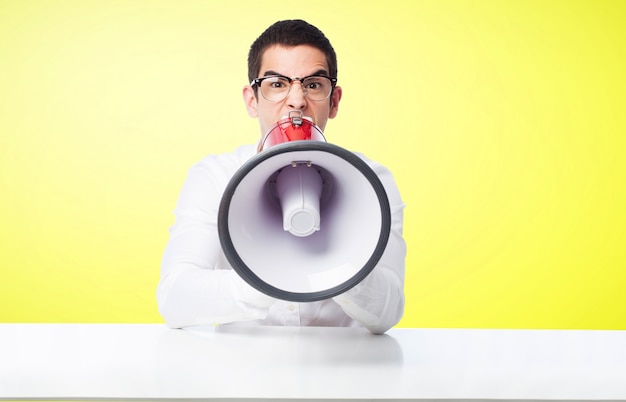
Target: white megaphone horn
x,y
303,220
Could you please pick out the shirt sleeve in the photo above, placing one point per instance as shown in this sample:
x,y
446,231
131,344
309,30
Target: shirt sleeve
x,y
377,302
197,285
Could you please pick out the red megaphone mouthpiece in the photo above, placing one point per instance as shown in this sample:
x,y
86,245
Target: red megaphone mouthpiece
x,y
295,127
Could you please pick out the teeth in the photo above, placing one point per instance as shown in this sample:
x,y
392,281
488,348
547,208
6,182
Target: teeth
x,y
304,117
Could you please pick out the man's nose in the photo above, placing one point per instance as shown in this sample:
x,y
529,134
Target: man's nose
x,y
296,99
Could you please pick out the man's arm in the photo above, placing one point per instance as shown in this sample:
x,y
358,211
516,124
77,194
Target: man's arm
x,y
377,302
197,285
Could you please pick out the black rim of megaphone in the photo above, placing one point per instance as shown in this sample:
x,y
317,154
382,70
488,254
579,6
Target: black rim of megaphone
x,y
248,275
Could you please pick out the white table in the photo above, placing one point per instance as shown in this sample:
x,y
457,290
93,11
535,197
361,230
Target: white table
x,y
230,363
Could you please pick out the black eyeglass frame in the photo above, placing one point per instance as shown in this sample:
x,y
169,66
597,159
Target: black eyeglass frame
x,y
257,83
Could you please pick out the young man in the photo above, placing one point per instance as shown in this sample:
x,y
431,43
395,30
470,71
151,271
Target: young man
x,y
198,286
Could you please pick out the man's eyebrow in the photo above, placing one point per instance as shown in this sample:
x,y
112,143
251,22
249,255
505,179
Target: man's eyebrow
x,y
272,72
321,71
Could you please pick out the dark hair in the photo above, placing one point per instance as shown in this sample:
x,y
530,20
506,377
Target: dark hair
x,y
290,33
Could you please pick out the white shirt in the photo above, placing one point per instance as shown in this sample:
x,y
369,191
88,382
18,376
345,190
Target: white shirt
x,y
199,287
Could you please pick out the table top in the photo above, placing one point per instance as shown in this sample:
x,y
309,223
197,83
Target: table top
x,y
153,362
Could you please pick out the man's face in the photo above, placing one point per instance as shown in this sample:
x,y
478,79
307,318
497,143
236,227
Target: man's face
x,y
298,61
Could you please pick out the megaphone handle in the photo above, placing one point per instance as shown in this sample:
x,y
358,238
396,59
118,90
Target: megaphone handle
x,y
299,188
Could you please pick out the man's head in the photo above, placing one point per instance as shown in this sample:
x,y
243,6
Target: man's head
x,y
292,49
290,33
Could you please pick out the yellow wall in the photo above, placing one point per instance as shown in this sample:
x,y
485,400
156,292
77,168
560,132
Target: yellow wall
x,y
503,122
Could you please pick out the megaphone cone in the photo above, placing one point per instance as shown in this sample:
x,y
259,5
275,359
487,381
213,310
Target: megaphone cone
x,y
304,221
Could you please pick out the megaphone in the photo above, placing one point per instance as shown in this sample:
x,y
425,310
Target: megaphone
x,y
303,220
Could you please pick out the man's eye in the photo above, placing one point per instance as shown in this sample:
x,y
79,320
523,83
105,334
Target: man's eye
x,y
316,84
276,83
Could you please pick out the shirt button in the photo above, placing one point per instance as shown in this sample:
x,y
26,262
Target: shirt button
x,y
291,307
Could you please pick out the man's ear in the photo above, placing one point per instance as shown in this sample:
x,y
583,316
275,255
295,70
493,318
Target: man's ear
x,y
334,102
250,100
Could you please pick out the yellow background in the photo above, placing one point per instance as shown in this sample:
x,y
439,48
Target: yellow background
x,y
503,122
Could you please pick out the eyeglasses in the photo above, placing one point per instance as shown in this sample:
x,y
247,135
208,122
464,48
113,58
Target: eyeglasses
x,y
275,88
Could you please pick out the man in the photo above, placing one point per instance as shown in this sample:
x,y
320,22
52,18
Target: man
x,y
198,286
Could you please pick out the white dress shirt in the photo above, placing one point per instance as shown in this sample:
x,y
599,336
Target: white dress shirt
x,y
198,286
